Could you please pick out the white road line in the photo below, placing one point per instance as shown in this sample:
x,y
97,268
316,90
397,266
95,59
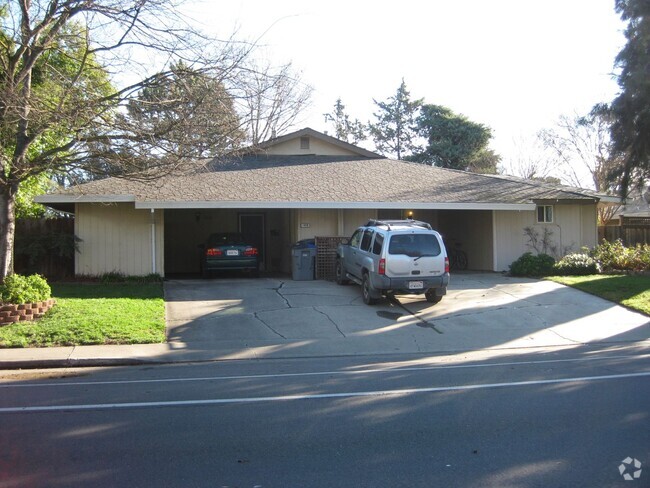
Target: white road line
x,y
314,373
284,398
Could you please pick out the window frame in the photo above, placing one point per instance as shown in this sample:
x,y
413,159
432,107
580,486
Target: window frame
x,y
544,213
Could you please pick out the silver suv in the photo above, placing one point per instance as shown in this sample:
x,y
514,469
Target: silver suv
x,y
394,257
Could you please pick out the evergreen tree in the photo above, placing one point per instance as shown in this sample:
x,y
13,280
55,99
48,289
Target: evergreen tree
x,y
454,141
345,129
395,127
630,110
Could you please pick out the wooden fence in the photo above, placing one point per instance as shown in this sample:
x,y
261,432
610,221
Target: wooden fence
x,y
46,247
632,231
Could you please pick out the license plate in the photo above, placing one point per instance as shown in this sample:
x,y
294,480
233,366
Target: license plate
x,y
232,252
416,285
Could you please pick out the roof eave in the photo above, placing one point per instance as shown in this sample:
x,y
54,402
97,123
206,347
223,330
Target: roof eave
x,y
333,205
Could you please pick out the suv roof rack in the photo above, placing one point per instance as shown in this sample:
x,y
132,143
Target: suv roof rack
x,y
407,223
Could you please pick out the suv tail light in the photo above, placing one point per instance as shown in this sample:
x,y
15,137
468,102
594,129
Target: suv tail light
x,y
213,252
250,251
382,267
446,265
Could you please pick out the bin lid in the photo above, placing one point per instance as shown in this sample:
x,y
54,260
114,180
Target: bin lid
x,y
305,244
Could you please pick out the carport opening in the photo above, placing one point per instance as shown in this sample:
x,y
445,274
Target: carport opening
x,y
468,230
187,229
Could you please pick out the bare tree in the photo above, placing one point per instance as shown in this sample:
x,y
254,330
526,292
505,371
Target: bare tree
x,y
584,154
270,99
530,161
582,149
70,69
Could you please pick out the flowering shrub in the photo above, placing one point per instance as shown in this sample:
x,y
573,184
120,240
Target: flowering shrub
x,y
577,264
614,256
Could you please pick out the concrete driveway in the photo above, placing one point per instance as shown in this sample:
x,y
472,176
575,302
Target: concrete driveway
x,y
244,318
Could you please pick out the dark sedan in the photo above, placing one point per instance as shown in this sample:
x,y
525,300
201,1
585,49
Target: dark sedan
x,y
229,251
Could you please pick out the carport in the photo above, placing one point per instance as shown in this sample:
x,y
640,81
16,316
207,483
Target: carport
x,y
276,230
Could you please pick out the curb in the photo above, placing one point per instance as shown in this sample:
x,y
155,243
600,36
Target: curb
x,y
76,363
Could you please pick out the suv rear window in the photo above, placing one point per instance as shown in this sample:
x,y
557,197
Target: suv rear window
x,y
414,245
379,241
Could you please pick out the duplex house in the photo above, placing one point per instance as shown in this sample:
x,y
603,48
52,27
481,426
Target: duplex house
x,y
307,184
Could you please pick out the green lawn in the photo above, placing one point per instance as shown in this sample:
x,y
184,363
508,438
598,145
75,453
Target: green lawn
x,y
629,290
94,314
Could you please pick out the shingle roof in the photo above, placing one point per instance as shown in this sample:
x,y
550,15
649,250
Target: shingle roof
x,y
281,180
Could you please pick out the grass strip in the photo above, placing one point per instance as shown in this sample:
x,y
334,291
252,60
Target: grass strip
x,y
632,291
88,314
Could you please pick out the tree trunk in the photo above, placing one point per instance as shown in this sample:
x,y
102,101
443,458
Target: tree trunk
x,y
7,228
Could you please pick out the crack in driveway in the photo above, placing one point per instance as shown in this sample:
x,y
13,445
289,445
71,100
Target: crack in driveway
x,y
330,319
267,325
277,290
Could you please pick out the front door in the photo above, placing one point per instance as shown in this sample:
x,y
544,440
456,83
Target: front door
x,y
252,226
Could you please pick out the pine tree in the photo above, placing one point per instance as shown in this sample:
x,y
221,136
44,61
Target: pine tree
x,y
395,129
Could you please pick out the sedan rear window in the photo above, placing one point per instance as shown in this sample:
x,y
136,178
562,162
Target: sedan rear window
x,y
414,245
227,239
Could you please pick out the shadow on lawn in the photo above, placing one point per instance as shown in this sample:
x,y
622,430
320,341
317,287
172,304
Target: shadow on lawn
x,y
112,290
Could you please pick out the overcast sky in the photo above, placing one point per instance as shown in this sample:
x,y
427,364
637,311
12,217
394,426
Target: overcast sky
x,y
514,65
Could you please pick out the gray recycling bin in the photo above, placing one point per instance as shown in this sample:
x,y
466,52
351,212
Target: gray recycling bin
x,y
303,260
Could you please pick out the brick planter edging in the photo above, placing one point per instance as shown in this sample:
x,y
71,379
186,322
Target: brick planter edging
x,y
11,313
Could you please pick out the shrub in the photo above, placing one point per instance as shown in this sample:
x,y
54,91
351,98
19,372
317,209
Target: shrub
x,y
24,289
576,264
615,256
532,265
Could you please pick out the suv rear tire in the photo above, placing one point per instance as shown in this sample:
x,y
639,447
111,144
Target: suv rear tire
x,y
432,297
367,290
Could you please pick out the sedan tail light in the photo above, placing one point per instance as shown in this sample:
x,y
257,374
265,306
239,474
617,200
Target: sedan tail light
x,y
213,252
250,251
446,265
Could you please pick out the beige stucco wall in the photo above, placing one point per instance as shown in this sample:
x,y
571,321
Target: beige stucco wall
x,y
309,223
573,227
117,237
316,146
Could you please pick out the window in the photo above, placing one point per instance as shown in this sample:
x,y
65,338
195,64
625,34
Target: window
x,y
366,240
544,214
379,241
356,237
414,245
304,143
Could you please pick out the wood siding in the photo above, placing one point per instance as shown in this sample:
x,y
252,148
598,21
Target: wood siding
x,y
316,146
117,238
573,227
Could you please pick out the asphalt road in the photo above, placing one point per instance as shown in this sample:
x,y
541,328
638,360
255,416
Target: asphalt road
x,y
520,419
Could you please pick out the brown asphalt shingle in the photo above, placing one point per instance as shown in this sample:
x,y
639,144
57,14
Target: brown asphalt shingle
x,y
317,179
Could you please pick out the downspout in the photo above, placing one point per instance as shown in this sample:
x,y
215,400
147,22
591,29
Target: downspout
x,y
153,241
